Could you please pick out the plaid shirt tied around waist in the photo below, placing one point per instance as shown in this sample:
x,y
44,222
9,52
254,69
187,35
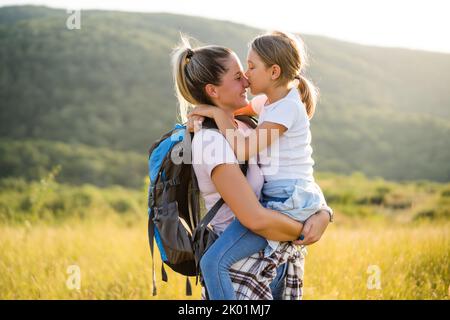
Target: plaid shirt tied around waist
x,y
253,275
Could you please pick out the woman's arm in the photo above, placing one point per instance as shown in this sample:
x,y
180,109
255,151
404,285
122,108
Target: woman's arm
x,y
239,196
244,147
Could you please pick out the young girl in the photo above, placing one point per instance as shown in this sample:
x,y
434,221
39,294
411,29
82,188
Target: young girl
x,y
285,104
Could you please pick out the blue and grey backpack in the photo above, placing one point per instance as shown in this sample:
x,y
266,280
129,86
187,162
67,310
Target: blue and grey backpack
x,y
175,222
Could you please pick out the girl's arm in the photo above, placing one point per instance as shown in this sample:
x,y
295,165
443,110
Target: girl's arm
x,y
244,147
239,196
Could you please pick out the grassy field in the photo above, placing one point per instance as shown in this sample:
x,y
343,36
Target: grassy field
x,y
372,251
114,261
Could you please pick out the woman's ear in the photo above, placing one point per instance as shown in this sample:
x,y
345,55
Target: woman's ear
x,y
276,72
211,91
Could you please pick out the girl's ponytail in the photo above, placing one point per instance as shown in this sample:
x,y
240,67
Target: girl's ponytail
x,y
308,93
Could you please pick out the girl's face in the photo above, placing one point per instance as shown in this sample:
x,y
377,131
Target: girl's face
x,y
257,73
232,93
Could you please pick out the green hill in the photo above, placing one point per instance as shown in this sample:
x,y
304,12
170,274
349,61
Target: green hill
x,y
383,111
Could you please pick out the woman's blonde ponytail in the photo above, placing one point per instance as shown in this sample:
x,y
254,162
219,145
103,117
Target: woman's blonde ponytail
x,y
193,69
180,57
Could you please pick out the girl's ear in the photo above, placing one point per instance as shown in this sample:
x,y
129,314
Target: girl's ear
x,y
211,90
276,72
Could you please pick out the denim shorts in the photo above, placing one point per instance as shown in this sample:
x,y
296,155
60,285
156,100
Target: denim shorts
x,y
297,198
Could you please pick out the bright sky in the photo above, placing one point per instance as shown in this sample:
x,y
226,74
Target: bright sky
x,y
415,24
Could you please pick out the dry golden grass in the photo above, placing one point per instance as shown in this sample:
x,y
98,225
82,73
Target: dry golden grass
x,y
115,263
413,261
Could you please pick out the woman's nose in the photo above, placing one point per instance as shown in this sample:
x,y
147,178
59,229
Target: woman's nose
x,y
245,81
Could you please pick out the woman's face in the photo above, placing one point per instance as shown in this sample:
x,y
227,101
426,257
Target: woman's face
x,y
232,93
258,75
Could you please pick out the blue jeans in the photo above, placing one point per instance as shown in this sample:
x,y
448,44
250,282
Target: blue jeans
x,y
235,243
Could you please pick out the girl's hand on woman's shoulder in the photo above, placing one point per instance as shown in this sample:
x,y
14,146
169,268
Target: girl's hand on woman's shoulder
x,y
204,110
194,123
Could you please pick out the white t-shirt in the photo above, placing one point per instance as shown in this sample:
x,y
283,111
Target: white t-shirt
x,y
210,149
289,157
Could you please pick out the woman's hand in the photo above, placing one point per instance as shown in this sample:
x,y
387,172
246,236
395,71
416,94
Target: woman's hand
x,y
204,110
194,123
314,228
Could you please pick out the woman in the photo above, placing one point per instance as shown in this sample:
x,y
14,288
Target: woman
x,y
213,75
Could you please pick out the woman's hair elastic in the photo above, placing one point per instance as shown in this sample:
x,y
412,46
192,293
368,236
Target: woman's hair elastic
x,y
190,53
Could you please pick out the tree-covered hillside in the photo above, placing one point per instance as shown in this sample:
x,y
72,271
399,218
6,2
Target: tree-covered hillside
x,y
383,111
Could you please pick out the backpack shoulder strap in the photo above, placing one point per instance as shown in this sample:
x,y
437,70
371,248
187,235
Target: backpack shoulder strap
x,y
209,123
199,234
151,237
248,120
